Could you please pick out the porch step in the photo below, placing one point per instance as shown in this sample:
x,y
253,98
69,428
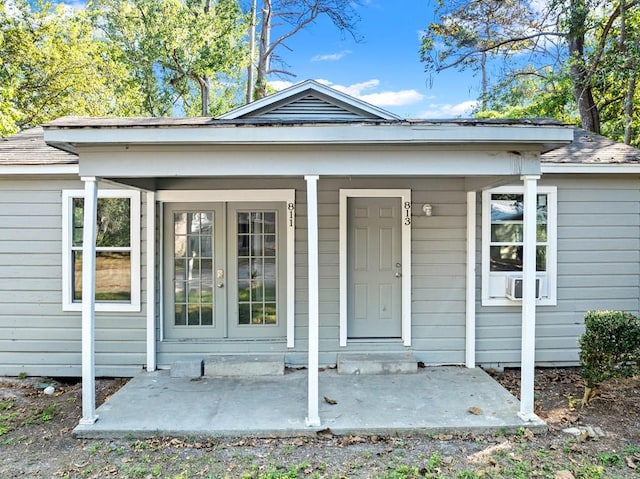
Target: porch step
x,y
378,363
244,365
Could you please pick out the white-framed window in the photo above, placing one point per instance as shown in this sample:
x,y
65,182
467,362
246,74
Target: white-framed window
x,y
117,250
502,245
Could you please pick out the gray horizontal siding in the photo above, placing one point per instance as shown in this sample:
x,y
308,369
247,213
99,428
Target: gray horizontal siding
x,y
36,336
598,268
598,256
438,261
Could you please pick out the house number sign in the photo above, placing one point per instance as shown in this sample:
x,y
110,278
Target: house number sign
x,y
291,212
407,213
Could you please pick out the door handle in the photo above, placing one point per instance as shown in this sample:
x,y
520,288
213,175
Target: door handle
x,y
220,277
398,275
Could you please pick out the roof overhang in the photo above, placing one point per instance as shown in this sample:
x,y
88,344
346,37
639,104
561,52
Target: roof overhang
x,y
538,137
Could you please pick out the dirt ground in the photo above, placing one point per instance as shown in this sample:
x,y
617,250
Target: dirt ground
x,y
36,441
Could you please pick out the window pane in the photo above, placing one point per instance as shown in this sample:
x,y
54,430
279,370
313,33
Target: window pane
x,y
506,258
270,313
270,245
114,220
506,233
180,223
541,258
257,313
78,221
181,314
542,209
193,316
243,223
113,276
207,315
270,222
256,223
542,233
509,258
506,207
244,313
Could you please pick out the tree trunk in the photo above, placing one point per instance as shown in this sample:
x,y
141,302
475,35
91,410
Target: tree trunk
x,y
628,107
252,52
582,92
204,95
263,51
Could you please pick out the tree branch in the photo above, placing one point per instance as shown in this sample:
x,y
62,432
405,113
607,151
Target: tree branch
x,y
497,46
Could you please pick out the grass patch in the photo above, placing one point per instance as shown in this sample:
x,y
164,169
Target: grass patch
x,y
8,416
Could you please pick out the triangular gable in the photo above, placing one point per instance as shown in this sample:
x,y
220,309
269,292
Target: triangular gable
x,y
312,101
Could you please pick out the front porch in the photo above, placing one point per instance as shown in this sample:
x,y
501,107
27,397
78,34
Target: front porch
x,y
434,400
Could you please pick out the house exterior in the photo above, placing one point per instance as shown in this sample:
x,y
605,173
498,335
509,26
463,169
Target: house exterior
x,y
309,224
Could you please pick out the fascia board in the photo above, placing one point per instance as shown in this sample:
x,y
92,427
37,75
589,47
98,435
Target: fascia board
x,y
581,168
39,170
314,134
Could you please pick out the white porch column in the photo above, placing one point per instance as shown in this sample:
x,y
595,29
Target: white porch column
x,y
527,361
89,300
470,337
313,418
151,280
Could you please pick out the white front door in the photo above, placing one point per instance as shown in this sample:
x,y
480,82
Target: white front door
x,y
224,270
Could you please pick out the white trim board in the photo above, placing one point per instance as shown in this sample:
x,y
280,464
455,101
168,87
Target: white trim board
x,y
283,195
67,218
405,198
72,169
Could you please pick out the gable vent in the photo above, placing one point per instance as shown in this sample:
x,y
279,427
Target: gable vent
x,y
312,108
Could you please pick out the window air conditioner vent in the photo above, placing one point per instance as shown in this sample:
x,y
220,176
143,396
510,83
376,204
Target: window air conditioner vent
x,y
514,287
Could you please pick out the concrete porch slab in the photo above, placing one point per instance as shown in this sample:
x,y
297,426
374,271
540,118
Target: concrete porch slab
x,y
433,400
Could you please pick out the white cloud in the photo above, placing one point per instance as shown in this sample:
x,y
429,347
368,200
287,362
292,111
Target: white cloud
x,y
278,85
393,98
384,98
366,91
331,57
448,110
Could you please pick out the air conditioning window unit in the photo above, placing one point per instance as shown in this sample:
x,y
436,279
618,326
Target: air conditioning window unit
x,y
514,287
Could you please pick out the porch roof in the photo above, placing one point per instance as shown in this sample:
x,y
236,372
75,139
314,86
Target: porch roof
x,y
196,147
74,133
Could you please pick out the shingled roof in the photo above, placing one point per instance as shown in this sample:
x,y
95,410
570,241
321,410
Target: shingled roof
x,y
28,148
591,149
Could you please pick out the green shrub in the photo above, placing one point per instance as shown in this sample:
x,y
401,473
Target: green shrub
x,y
609,348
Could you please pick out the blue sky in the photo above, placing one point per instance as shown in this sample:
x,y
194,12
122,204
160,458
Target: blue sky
x,y
384,67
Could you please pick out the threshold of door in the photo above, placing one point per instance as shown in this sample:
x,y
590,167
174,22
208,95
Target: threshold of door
x,y
377,363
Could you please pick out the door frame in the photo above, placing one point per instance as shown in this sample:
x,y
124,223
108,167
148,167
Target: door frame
x,y
405,245
287,196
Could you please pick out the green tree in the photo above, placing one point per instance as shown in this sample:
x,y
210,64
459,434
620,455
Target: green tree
x,y
187,56
469,33
587,46
51,66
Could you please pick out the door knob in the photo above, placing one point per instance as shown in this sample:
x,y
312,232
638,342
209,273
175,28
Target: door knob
x,y
398,275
